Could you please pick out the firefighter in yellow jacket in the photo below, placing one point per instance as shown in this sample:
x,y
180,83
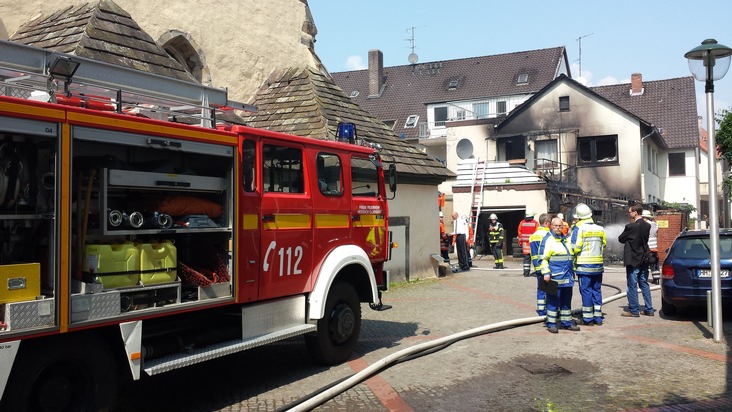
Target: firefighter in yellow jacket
x,y
535,243
557,265
589,243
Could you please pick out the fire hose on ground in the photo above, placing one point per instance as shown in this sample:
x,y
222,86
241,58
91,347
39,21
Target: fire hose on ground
x,y
329,392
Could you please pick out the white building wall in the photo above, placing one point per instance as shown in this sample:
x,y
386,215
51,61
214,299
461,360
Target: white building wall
x,y
417,232
684,189
509,199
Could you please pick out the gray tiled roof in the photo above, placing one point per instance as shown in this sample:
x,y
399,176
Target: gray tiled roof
x,y
306,102
667,104
409,88
104,32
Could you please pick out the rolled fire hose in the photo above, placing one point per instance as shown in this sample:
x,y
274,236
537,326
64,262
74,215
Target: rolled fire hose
x,y
411,352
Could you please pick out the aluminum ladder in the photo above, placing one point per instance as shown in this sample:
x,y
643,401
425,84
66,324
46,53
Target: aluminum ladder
x,y
476,196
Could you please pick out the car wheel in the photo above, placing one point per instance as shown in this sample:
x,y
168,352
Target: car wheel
x,y
668,309
66,375
339,328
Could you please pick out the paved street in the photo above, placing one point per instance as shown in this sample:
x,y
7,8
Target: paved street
x,y
626,364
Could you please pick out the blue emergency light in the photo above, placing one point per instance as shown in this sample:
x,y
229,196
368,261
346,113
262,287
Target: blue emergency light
x,y
346,132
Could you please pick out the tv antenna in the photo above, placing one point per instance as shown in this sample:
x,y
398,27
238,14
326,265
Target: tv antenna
x,y
413,58
579,40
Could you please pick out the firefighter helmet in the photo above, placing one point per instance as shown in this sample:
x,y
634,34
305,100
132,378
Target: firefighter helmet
x,y
529,213
647,214
561,216
442,214
583,211
493,216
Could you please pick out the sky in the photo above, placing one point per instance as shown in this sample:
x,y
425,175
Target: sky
x,y
606,42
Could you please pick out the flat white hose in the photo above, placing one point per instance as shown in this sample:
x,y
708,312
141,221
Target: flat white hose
x,y
358,377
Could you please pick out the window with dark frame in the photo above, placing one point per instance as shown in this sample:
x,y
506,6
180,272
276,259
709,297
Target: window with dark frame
x,y
501,107
677,164
440,116
282,169
563,103
330,174
364,177
597,150
411,121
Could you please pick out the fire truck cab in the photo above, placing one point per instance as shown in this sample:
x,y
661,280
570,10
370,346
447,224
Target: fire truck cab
x,y
138,234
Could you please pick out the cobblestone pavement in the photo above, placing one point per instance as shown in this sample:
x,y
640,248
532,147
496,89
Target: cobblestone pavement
x,y
633,364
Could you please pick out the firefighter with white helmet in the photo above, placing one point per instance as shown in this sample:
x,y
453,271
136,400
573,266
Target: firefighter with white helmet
x,y
496,234
526,228
589,241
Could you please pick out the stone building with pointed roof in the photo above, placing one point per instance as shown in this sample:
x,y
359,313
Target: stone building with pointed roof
x,y
275,69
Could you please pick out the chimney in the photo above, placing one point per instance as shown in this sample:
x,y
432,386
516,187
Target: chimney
x,y
376,72
636,84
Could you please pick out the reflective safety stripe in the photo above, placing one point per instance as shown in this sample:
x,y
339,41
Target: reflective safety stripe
x,y
288,221
565,315
331,221
369,221
250,221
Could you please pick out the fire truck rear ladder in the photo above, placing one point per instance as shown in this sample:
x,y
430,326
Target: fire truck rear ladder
x,y
26,69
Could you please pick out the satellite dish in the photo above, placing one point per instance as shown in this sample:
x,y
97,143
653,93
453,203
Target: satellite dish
x,y
464,149
413,58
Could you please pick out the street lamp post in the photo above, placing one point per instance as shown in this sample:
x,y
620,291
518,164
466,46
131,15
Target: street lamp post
x,y
702,62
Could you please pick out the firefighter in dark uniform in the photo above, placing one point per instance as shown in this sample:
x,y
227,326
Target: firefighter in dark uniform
x,y
495,240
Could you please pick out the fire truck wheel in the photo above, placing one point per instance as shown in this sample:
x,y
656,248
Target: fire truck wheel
x,y
339,328
66,375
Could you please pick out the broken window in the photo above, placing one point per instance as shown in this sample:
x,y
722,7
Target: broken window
x,y
597,150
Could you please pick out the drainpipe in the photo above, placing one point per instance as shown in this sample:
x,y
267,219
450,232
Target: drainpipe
x,y
642,159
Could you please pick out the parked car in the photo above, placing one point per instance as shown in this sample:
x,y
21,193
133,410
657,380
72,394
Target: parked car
x,y
686,272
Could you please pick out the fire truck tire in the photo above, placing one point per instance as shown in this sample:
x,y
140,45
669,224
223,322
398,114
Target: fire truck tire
x,y
66,375
339,328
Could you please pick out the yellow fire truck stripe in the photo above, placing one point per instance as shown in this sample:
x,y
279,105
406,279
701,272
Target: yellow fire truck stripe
x,y
331,221
32,110
153,128
250,221
369,221
289,221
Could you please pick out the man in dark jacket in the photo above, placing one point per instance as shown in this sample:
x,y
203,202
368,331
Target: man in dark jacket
x,y
635,240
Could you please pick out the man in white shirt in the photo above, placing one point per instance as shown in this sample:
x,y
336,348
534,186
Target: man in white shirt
x,y
460,230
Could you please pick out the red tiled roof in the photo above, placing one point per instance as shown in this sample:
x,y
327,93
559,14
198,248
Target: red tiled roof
x,y
409,88
668,104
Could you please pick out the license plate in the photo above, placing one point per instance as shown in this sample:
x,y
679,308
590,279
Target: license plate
x,y
704,273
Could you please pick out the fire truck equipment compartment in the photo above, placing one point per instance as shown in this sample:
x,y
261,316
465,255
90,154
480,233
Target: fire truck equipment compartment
x,y
158,262
20,282
117,265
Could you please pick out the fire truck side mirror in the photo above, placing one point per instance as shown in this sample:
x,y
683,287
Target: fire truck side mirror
x,y
392,179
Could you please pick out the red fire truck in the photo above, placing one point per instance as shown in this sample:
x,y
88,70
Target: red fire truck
x,y
141,235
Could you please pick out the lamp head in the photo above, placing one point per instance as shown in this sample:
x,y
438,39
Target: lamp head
x,y
63,66
709,61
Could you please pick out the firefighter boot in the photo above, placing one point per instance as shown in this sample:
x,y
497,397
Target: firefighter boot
x,y
500,266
